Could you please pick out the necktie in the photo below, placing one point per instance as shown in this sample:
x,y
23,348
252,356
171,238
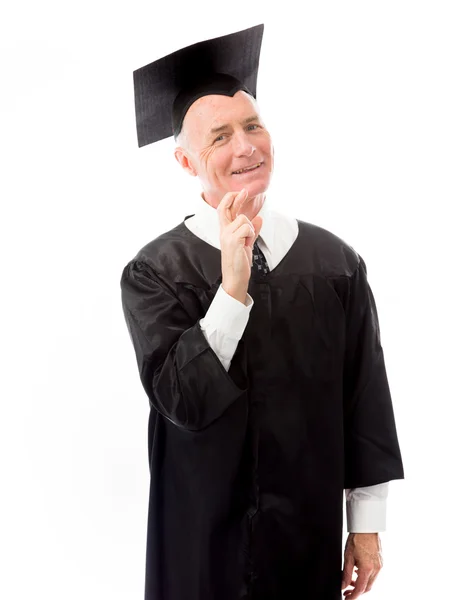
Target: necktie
x,y
259,261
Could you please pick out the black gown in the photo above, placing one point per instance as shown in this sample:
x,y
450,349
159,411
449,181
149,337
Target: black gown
x,y
248,466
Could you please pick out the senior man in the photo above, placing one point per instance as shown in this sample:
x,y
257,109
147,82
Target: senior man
x,y
258,345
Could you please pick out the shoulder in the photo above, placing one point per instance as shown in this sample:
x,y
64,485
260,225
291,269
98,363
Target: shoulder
x,y
170,258
325,252
162,248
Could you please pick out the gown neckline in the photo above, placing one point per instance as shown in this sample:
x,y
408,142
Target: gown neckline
x,y
255,275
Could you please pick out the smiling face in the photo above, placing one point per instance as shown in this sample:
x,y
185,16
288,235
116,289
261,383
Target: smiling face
x,y
221,136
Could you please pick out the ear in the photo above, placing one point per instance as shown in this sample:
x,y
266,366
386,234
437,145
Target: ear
x,y
184,160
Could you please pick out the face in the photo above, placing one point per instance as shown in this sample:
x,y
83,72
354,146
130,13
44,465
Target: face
x,y
223,135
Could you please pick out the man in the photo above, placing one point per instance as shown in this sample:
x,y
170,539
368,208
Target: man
x,y
258,345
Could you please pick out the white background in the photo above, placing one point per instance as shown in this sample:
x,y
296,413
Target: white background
x,y
360,99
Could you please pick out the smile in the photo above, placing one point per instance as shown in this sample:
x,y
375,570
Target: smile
x,y
252,168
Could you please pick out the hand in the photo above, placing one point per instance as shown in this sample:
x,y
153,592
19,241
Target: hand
x,y
237,236
363,552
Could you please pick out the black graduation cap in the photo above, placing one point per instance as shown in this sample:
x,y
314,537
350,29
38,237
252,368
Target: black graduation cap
x,y
165,89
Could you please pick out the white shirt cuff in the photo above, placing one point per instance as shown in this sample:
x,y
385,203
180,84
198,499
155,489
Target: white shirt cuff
x,y
227,315
224,324
366,508
366,516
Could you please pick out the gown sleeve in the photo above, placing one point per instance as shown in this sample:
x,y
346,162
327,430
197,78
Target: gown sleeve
x,y
372,454
180,373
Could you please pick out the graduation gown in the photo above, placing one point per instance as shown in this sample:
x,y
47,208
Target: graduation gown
x,y
248,466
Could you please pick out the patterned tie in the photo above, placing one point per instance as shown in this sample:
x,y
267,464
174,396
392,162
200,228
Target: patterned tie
x,y
259,261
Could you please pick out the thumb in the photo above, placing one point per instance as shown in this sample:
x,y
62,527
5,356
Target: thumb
x,y
349,565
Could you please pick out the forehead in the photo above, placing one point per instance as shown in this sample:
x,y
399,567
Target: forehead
x,y
215,109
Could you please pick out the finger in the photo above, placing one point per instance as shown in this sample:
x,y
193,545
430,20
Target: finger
x,y
349,563
352,584
371,581
256,224
360,584
239,202
246,232
225,207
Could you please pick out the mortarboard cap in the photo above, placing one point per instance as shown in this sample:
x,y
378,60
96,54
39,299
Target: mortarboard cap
x,y
165,89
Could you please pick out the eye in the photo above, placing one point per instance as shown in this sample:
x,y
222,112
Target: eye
x,y
256,126
220,137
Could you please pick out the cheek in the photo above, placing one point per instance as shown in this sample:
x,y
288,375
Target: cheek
x,y
266,147
221,161
208,161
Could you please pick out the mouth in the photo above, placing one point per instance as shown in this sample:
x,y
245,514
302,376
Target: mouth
x,y
247,169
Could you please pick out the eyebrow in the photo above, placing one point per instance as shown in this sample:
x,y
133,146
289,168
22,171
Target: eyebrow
x,y
226,126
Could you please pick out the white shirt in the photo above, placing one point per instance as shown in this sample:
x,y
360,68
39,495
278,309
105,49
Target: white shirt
x,y
226,319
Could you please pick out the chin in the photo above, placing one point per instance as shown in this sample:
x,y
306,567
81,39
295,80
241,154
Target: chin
x,y
257,187
253,187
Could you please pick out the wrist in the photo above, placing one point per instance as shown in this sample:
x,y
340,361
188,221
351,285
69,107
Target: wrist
x,y
239,293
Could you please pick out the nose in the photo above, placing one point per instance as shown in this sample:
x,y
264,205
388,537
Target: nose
x,y
242,145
